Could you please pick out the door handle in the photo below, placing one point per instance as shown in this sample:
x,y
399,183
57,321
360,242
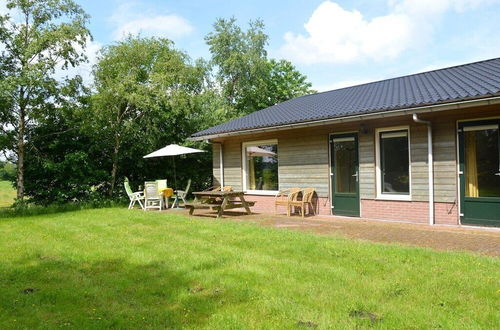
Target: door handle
x,y
497,173
356,175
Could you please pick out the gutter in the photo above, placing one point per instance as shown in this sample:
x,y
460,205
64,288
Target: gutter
x,y
386,114
430,165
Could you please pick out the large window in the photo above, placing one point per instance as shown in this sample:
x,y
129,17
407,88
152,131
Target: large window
x,y
393,164
260,166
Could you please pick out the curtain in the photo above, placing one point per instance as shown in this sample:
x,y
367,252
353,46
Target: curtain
x,y
251,172
471,187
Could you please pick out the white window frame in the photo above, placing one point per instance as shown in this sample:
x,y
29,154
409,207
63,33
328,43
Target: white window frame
x,y
244,167
386,196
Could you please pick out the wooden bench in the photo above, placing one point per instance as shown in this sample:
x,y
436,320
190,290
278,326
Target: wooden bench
x,y
215,206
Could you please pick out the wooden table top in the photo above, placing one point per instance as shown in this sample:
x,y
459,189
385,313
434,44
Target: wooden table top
x,y
218,193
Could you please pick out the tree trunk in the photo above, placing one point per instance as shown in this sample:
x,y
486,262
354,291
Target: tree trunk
x,y
20,155
114,168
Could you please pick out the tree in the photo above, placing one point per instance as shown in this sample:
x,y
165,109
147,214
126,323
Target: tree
x,y
247,79
284,82
146,90
38,38
66,162
241,60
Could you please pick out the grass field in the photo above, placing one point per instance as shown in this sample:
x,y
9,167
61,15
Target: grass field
x,y
114,268
7,194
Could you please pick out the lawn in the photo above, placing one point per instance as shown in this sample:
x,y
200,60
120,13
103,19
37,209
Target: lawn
x,y
7,194
131,269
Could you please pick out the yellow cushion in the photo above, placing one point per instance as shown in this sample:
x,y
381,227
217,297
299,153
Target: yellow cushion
x,y
167,192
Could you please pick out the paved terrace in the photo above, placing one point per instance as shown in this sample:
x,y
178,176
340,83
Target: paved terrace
x,y
441,237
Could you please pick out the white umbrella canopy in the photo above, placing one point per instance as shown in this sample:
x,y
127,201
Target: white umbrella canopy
x,y
172,150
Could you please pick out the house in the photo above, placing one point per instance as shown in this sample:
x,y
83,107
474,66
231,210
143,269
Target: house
x,y
417,148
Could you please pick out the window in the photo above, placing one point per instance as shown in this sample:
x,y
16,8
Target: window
x,y
393,163
260,166
482,165
345,164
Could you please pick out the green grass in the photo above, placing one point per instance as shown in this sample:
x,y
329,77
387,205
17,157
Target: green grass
x,y
114,268
7,194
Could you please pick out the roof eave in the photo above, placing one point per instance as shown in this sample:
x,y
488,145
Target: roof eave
x,y
373,115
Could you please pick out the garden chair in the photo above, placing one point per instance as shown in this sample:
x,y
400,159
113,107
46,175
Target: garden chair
x,y
181,194
152,198
135,197
284,197
306,200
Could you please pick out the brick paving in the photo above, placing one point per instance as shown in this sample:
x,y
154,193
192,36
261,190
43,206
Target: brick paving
x,y
441,237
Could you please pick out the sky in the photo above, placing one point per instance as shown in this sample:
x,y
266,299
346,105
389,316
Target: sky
x,y
335,43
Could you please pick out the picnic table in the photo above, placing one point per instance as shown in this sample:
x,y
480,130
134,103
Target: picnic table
x,y
219,201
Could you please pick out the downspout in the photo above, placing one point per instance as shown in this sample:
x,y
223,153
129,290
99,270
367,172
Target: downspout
x,y
430,165
221,162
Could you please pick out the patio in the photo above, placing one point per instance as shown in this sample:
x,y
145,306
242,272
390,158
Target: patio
x,y
441,237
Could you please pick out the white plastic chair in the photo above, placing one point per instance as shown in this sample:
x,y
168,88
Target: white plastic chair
x,y
135,197
152,198
181,194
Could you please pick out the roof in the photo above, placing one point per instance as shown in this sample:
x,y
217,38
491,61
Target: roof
x,y
459,83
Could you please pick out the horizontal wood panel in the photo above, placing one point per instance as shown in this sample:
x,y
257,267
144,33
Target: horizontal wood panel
x,y
232,164
216,164
366,166
303,162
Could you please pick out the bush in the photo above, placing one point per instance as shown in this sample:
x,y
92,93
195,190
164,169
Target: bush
x,y
7,171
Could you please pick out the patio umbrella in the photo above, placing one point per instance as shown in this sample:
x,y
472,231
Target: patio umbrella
x,y
173,150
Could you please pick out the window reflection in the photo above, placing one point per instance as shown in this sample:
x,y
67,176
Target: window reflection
x,y
394,162
262,167
345,166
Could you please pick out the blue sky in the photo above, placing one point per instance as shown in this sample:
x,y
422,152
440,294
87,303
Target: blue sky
x,y
335,43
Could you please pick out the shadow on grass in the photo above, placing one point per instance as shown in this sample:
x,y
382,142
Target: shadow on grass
x,y
46,291
35,210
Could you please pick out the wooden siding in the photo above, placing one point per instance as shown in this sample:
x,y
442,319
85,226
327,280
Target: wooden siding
x,y
216,164
303,162
232,164
419,161
367,189
445,161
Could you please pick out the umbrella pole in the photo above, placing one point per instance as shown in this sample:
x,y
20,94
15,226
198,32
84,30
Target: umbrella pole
x,y
175,174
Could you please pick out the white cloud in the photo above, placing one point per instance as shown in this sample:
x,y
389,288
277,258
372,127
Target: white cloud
x,y
337,35
436,7
131,18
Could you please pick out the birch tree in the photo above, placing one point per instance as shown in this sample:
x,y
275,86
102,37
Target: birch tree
x,y
37,38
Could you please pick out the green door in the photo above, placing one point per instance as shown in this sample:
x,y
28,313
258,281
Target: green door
x,y
344,174
479,151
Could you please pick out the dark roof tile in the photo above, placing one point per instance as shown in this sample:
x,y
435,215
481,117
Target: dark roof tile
x,y
467,81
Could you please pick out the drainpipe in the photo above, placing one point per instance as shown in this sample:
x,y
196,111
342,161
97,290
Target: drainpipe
x,y
430,165
221,162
